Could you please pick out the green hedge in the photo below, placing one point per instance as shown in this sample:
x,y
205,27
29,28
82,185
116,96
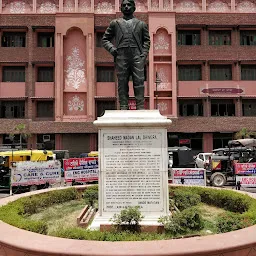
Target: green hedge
x,y
84,234
227,199
185,199
14,213
230,221
184,222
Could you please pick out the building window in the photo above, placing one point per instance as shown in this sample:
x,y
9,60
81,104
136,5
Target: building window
x,y
45,39
14,39
249,107
105,74
248,72
189,37
99,36
12,109
222,108
13,74
190,73
45,74
220,140
44,109
220,72
222,37
102,105
248,37
191,108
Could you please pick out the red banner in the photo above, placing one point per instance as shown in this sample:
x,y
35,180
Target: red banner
x,y
81,169
245,168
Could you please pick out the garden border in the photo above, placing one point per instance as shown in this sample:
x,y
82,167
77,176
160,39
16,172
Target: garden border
x,y
14,241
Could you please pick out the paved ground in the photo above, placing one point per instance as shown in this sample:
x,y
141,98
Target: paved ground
x,y
4,193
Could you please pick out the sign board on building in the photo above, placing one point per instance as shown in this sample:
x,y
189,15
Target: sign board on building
x,y
189,176
81,169
35,173
222,90
184,141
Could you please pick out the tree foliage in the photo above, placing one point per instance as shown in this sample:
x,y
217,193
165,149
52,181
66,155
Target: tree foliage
x,y
244,133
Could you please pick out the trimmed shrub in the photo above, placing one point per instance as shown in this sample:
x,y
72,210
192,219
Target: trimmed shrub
x,y
91,196
183,222
128,219
34,203
185,199
230,221
226,199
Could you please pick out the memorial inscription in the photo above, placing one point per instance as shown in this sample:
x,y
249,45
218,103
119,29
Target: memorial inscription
x,y
132,171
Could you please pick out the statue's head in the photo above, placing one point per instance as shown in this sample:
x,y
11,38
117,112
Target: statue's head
x,y
128,7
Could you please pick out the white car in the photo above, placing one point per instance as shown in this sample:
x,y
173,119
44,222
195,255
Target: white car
x,y
202,159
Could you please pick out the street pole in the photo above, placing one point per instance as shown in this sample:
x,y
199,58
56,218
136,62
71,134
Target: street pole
x,y
158,81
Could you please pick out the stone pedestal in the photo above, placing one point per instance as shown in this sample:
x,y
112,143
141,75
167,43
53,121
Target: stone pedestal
x,y
133,164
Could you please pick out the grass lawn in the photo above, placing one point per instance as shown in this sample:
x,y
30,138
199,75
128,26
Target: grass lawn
x,y
61,215
209,214
64,216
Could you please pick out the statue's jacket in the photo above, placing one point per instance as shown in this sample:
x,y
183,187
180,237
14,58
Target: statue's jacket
x,y
117,29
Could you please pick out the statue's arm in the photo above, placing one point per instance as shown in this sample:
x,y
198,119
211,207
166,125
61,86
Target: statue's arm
x,y
107,37
146,40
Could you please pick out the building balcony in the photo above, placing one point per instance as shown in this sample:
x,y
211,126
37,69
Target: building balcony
x,y
12,90
44,90
216,88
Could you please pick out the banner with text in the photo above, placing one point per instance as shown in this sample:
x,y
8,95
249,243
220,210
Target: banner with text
x,y
189,176
246,181
245,168
35,173
81,169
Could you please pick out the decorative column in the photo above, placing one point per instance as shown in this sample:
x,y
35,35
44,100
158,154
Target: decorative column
x,y
59,78
90,86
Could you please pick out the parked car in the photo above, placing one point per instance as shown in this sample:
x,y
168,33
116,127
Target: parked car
x,y
202,160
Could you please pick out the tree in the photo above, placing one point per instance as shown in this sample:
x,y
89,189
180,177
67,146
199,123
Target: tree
x,y
22,131
244,133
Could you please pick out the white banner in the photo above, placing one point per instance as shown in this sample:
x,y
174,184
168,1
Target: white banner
x,y
26,173
246,181
189,176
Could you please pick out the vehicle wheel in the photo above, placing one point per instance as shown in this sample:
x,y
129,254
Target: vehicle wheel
x,y
33,188
218,179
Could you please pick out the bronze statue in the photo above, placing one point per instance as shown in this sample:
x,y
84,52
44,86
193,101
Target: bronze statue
x,y
130,53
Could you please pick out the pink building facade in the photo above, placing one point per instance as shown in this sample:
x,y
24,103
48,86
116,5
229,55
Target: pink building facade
x,y
56,78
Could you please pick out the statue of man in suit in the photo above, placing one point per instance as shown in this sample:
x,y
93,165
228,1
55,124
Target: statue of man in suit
x,y
130,52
